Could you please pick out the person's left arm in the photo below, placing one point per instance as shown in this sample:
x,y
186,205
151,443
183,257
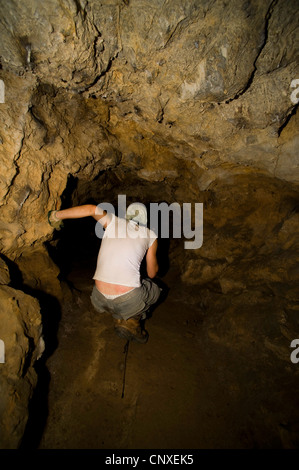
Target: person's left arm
x,y
152,266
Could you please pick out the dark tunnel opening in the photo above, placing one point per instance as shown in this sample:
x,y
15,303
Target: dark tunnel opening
x,y
76,246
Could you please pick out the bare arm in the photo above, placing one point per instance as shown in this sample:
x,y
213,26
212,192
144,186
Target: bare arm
x,y
77,212
152,266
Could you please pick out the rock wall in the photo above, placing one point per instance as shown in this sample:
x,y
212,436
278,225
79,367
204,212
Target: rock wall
x,y
21,333
160,100
147,87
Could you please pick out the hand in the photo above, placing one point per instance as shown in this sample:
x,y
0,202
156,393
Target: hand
x,y
54,221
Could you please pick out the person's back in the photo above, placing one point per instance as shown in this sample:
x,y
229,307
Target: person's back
x,y
123,247
118,287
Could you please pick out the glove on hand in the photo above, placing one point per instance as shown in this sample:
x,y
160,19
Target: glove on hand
x,y
53,221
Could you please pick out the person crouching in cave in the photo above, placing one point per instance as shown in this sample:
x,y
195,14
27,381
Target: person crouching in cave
x,y
118,287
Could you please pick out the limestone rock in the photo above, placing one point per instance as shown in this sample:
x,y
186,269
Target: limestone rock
x,y
21,332
161,101
4,273
39,272
89,84
249,236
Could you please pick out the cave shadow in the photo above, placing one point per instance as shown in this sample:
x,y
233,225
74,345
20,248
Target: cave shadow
x,y
76,246
50,311
38,407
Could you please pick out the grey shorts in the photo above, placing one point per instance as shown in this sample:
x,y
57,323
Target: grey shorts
x,y
134,302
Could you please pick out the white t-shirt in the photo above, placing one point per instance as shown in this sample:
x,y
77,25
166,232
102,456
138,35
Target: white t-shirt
x,y
123,247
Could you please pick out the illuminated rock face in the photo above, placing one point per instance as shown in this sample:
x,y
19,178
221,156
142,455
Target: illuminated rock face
x,y
158,91
175,101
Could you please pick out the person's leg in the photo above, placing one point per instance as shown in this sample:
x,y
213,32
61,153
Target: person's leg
x,y
131,329
150,295
98,301
133,310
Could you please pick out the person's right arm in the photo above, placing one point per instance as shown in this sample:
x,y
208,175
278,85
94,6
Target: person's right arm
x,y
81,211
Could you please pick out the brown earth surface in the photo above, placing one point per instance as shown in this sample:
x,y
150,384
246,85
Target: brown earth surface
x,y
184,389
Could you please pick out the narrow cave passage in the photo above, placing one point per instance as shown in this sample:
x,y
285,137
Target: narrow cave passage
x,y
161,377
185,388
186,102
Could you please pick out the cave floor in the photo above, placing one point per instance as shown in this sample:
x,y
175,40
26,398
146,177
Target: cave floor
x,y
184,389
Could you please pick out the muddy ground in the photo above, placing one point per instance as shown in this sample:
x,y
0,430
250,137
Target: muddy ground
x,y
187,388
